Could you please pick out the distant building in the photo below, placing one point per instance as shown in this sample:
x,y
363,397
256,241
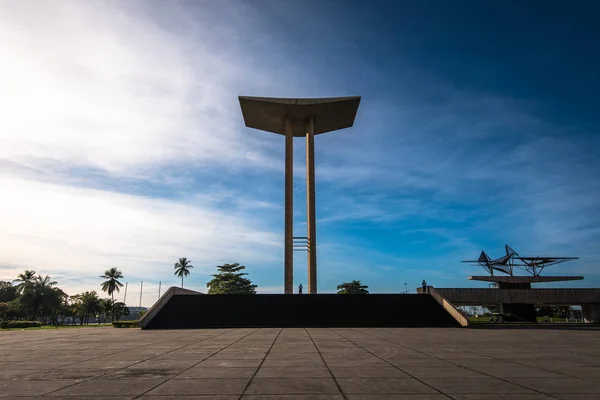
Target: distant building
x,y
134,313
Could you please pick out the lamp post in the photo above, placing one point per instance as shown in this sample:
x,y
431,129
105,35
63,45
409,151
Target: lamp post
x,y
405,288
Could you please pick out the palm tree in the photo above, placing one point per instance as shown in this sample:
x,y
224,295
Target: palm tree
x,y
182,268
42,288
25,280
111,284
107,307
86,304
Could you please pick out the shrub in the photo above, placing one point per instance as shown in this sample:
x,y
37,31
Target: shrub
x,y
20,324
125,324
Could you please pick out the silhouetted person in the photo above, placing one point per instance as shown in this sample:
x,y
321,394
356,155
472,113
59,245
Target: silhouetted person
x,y
300,289
424,286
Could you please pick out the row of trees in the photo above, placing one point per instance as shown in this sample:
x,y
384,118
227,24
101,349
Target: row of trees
x,y
37,298
230,280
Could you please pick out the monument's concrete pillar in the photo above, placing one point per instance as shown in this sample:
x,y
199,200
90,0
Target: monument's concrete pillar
x,y
289,209
591,313
310,206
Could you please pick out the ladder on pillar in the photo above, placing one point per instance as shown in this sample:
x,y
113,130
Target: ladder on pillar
x,y
301,243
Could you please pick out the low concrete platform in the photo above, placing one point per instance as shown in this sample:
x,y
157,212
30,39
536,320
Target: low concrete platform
x,y
193,311
298,363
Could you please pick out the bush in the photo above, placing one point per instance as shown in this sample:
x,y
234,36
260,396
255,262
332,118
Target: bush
x,y
20,324
125,324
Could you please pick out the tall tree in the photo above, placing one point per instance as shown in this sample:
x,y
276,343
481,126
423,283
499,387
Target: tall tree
x,y
229,280
8,292
107,306
86,304
112,284
25,280
120,310
34,294
354,287
182,268
52,305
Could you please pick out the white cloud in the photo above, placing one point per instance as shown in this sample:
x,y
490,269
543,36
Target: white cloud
x,y
84,231
94,84
126,90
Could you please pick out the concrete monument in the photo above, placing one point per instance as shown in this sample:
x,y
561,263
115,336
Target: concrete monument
x,y
299,118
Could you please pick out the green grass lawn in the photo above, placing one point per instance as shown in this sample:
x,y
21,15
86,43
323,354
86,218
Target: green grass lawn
x,y
46,327
480,320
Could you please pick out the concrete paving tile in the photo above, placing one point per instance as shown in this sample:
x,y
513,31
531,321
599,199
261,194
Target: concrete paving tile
x,y
574,396
14,388
477,362
559,385
99,387
197,357
205,372
132,374
383,396
551,364
100,364
129,356
66,374
461,356
383,385
40,365
418,362
586,360
515,372
353,362
501,396
170,365
13,373
212,386
239,356
292,386
368,372
583,372
293,372
292,397
441,372
83,396
292,352
230,363
200,397
294,362
475,385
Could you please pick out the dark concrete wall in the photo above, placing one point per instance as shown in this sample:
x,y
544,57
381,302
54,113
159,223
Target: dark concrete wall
x,y
321,310
591,312
518,312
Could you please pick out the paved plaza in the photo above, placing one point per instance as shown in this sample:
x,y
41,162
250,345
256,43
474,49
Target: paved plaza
x,y
312,364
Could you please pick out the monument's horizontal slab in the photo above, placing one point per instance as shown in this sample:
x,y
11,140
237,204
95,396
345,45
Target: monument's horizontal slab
x,y
474,297
269,114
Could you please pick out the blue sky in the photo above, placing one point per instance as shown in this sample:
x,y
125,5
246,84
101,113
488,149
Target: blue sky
x,y
123,142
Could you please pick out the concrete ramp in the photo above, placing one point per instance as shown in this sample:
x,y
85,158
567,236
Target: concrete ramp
x,y
160,304
182,311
